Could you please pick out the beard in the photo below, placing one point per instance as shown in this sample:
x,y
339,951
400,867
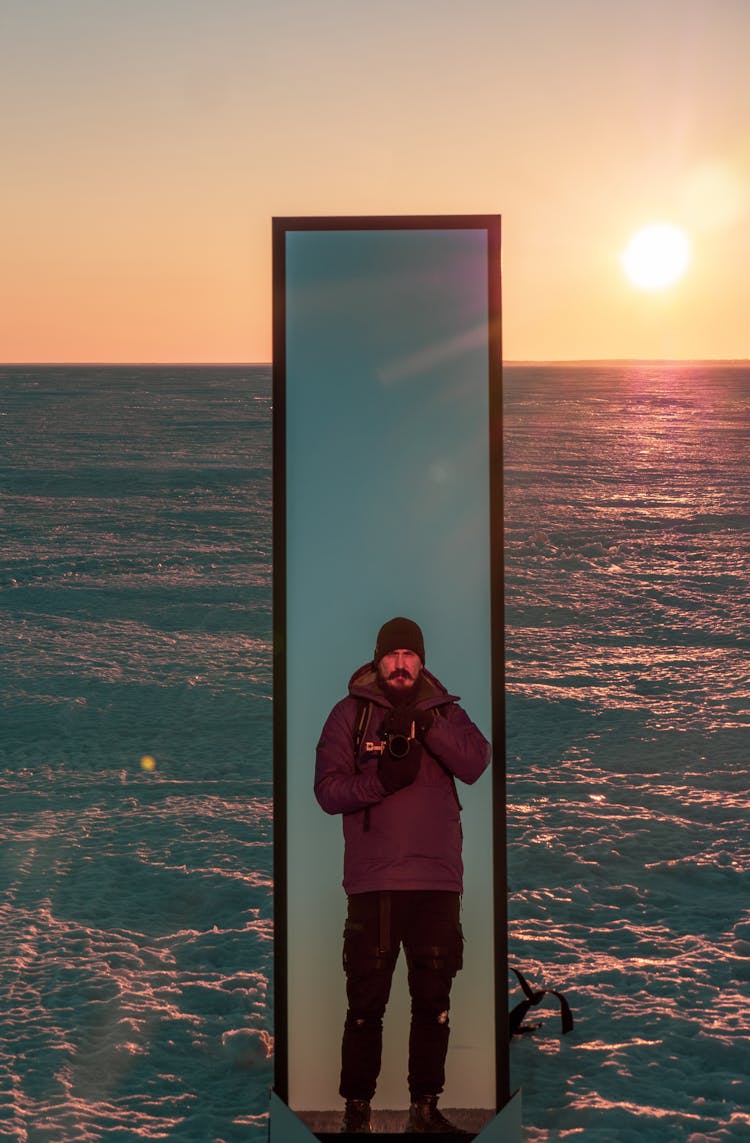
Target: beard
x,y
398,688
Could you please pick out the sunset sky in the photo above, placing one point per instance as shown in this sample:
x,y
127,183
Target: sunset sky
x,y
147,144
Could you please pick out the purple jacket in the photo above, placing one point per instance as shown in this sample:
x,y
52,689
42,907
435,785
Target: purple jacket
x,y
410,839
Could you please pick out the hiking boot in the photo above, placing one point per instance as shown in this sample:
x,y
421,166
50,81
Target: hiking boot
x,y
424,1117
357,1117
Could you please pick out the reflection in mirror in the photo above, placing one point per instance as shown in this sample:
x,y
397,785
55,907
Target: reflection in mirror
x,y
386,354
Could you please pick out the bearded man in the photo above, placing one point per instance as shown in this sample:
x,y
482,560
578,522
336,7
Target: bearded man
x,y
387,761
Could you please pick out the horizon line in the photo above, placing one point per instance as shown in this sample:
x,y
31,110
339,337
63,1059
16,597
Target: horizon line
x,y
523,361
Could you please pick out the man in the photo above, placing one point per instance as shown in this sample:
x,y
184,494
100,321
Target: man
x,y
387,761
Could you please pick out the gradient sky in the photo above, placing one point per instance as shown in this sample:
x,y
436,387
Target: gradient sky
x,y
146,145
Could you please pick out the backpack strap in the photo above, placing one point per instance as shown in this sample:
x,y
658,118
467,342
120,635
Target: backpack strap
x,y
360,730
534,997
360,726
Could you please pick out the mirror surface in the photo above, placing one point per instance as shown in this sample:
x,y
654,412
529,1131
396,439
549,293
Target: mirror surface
x,y
387,342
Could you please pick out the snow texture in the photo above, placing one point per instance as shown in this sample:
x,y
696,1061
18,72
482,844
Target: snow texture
x,y
135,905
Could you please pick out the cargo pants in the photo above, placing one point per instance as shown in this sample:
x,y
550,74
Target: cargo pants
x,y
427,924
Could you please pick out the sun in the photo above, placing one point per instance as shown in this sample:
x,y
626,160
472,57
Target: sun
x,y
657,256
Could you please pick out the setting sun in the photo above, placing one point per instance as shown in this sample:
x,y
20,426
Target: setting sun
x,y
657,256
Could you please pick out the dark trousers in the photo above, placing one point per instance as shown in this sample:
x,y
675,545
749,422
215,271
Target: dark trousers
x,y
377,924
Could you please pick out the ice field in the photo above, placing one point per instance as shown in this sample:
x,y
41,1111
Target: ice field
x,y
135,905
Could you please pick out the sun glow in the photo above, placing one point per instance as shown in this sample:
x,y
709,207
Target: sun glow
x,y
657,256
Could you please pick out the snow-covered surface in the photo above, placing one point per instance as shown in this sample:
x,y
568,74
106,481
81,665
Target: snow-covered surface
x,y
628,714
135,905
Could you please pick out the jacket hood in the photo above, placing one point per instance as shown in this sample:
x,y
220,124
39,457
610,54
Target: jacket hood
x,y
429,691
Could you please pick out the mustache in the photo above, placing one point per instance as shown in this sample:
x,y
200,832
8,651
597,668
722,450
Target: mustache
x,y
399,673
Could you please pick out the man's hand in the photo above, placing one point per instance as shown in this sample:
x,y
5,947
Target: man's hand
x,y
395,773
400,720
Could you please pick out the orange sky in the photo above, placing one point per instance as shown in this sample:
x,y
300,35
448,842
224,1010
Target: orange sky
x,y
146,147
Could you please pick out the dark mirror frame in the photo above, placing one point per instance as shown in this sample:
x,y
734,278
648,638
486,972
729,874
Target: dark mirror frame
x,y
281,227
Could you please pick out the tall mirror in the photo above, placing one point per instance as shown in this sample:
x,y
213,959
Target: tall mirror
x,y
387,502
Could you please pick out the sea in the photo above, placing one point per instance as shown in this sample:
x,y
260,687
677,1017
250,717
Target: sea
x,y
136,921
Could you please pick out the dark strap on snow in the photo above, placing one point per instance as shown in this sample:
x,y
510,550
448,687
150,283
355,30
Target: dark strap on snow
x,y
534,997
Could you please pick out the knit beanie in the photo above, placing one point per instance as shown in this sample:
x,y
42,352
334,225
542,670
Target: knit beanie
x,y
399,634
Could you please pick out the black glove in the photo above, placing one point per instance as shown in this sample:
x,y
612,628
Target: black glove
x,y
408,720
397,772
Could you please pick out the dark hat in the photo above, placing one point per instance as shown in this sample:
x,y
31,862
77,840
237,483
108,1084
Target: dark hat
x,y
399,634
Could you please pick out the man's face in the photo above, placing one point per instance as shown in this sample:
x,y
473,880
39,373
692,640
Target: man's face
x,y
400,669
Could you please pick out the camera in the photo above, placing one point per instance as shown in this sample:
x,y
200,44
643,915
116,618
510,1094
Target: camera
x,y
397,743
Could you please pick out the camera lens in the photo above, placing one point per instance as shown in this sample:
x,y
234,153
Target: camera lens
x,y
398,744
